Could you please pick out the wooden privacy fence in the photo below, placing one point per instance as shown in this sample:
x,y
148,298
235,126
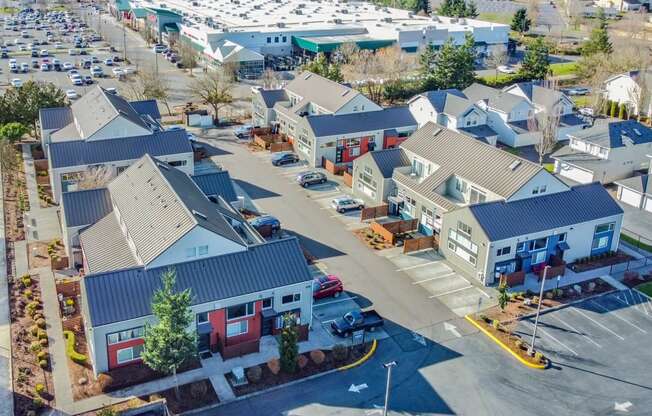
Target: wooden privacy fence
x,y
390,230
280,147
374,212
347,178
335,169
421,243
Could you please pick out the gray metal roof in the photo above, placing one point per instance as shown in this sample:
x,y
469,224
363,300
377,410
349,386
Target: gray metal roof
x,y
216,183
147,107
388,118
85,207
105,247
83,153
271,97
582,203
497,99
322,91
457,154
616,134
583,160
478,132
127,294
539,94
55,118
389,159
450,101
159,204
639,183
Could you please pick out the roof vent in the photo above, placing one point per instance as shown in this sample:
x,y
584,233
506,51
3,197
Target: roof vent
x,y
515,164
308,75
638,132
161,165
199,214
345,92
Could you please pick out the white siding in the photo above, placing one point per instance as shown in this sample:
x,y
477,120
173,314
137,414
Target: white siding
x,y
118,127
422,111
360,104
541,179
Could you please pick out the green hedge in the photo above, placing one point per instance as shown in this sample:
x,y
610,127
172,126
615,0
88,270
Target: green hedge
x,y
70,348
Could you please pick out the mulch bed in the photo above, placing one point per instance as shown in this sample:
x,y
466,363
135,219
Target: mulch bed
x,y
15,199
513,341
597,263
192,396
372,240
138,373
633,279
38,255
269,379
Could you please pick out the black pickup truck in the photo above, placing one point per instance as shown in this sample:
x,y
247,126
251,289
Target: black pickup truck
x,y
355,321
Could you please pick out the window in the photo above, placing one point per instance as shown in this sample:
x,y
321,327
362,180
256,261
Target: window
x,y
129,354
503,251
291,298
202,250
275,39
460,186
538,244
240,311
417,167
542,189
237,328
600,242
539,189
539,257
562,237
178,162
202,317
126,335
268,303
191,252
463,229
477,197
285,39
269,40
602,228
520,247
427,217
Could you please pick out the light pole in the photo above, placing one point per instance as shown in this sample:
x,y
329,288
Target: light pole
x,y
536,319
388,366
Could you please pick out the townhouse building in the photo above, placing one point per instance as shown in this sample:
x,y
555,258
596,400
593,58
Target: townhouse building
x,y
629,88
157,218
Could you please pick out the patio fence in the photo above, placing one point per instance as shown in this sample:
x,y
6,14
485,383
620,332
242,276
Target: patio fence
x,y
635,240
370,213
422,243
281,147
347,178
389,230
630,265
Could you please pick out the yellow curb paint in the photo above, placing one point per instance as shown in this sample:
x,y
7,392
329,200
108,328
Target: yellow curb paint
x,y
503,346
363,359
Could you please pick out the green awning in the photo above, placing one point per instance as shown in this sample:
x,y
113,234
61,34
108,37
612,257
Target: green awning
x,y
318,44
122,5
171,28
196,46
139,13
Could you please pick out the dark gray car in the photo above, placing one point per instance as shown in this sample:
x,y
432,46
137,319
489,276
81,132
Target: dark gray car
x,y
307,179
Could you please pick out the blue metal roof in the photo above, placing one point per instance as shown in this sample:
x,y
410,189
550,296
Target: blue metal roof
x,y
85,207
389,118
55,118
127,294
147,107
82,152
388,159
582,203
216,183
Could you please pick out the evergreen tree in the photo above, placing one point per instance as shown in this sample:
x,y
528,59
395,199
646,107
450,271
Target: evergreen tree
x,y
444,67
445,8
426,65
536,62
422,5
168,344
521,22
614,106
288,348
450,67
599,41
335,72
465,63
471,10
320,66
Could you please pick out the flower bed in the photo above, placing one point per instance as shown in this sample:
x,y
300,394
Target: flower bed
x,y
32,379
133,374
599,261
372,240
269,375
192,396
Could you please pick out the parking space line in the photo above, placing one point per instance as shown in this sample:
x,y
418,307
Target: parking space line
x,y
557,341
617,316
333,301
450,291
597,323
642,300
483,292
330,194
434,278
576,330
633,304
328,322
416,266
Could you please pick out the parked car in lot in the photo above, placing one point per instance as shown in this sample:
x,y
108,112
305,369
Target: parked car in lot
x,y
67,66
16,82
159,48
45,67
284,158
266,220
44,52
34,53
35,64
578,91
327,286
343,204
24,67
108,62
96,72
73,52
95,60
243,131
355,321
71,94
117,72
506,69
4,55
88,79
77,80
307,179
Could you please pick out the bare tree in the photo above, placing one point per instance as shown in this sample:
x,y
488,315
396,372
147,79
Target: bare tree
x,y
498,57
188,56
533,11
270,80
149,85
640,96
546,122
345,53
95,177
214,88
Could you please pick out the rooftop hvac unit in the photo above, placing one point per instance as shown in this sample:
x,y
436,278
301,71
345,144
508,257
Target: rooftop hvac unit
x,y
387,19
280,24
462,21
337,21
257,6
298,11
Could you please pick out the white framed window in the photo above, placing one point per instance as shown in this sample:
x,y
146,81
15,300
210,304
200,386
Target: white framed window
x,y
562,237
463,229
202,250
520,247
242,310
129,354
600,242
539,257
237,328
504,251
604,227
268,303
191,252
294,297
202,317
121,336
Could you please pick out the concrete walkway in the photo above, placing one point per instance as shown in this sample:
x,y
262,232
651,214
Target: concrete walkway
x,y
6,388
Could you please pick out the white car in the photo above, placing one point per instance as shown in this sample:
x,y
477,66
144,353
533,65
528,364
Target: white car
x,y
73,52
128,70
67,66
108,62
44,52
586,111
16,82
71,94
344,203
58,46
506,69
117,72
77,80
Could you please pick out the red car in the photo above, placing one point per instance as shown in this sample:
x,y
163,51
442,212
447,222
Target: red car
x,y
326,286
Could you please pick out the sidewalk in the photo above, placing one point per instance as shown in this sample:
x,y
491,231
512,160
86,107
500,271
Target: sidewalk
x,y
6,388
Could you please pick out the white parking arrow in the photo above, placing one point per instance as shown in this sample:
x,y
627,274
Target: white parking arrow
x,y
452,329
358,388
622,407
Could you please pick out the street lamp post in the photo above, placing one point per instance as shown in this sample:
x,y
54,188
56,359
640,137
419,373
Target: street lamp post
x,y
389,367
536,319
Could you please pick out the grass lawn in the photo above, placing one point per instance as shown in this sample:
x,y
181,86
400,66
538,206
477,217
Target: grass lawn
x,y
634,242
550,167
581,101
645,288
563,68
502,79
8,10
505,18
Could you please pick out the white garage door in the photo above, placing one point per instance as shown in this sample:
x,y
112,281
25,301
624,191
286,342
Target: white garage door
x,y
648,204
576,174
630,197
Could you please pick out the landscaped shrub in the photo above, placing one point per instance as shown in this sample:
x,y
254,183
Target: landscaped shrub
x,y
340,352
317,356
105,381
42,355
43,364
40,323
70,302
39,389
198,389
254,374
274,365
42,334
496,324
37,402
70,348
33,330
43,342
27,293
538,357
26,281
37,316
302,361
35,347
31,308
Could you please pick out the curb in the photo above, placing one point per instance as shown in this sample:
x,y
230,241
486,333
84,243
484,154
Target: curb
x,y
361,360
503,346
565,305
